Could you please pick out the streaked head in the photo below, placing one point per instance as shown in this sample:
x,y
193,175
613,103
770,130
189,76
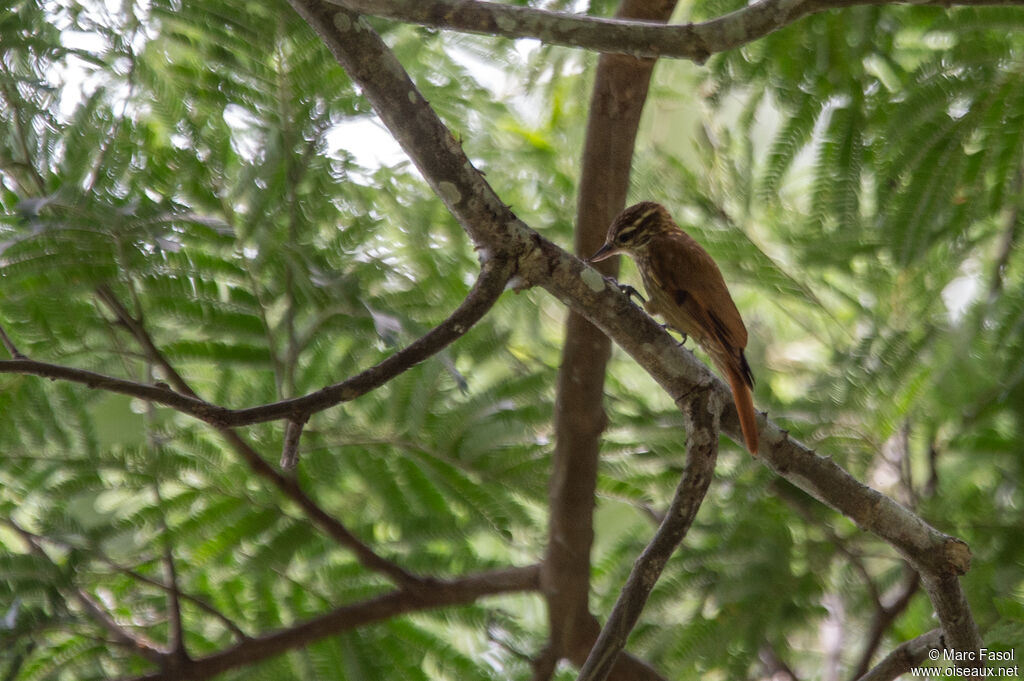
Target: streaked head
x,y
633,229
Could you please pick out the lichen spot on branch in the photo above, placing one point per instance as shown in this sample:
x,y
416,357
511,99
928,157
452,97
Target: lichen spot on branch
x,y
505,23
450,194
593,279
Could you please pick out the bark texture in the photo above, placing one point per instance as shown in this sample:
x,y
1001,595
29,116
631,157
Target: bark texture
x,y
620,90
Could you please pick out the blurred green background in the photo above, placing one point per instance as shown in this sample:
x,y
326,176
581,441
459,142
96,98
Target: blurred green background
x,y
858,176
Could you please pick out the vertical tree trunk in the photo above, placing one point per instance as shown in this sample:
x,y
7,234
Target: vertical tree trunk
x,y
620,89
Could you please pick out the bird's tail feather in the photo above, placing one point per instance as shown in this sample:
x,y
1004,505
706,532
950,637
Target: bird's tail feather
x,y
744,406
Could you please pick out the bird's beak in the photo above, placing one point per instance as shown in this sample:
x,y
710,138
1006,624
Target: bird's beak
x,y
605,251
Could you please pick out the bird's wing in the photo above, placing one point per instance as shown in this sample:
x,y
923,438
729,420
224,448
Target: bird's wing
x,y
696,284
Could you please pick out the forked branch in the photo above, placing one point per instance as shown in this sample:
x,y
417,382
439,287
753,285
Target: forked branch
x,y
491,225
701,455
460,591
287,485
696,42
494,275
132,641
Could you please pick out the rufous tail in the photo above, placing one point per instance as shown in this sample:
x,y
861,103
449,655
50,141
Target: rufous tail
x,y
744,407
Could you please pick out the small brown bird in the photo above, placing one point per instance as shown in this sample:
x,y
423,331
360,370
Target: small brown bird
x,y
687,289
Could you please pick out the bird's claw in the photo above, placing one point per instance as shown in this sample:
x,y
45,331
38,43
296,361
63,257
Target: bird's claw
x,y
630,292
684,337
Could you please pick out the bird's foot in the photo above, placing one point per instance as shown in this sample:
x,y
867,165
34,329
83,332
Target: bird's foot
x,y
683,337
630,292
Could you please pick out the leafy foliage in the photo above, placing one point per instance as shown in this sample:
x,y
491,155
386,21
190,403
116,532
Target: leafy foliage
x,y
858,176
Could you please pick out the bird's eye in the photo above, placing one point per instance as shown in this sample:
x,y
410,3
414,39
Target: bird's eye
x,y
626,234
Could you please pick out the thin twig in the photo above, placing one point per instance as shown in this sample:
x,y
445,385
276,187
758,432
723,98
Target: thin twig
x,y
488,288
701,455
290,449
1011,228
176,641
125,570
856,560
137,643
287,485
9,345
13,100
194,600
138,331
337,530
885,615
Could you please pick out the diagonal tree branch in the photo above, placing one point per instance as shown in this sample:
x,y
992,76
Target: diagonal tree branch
x,y
289,486
194,600
905,656
334,528
137,643
885,614
138,331
701,455
137,576
696,42
447,593
490,224
485,292
9,345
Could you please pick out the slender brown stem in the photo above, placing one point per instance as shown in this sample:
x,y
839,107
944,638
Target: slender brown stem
x,y
290,449
194,600
287,485
1009,236
137,576
134,642
176,642
9,345
701,455
443,593
905,656
885,614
